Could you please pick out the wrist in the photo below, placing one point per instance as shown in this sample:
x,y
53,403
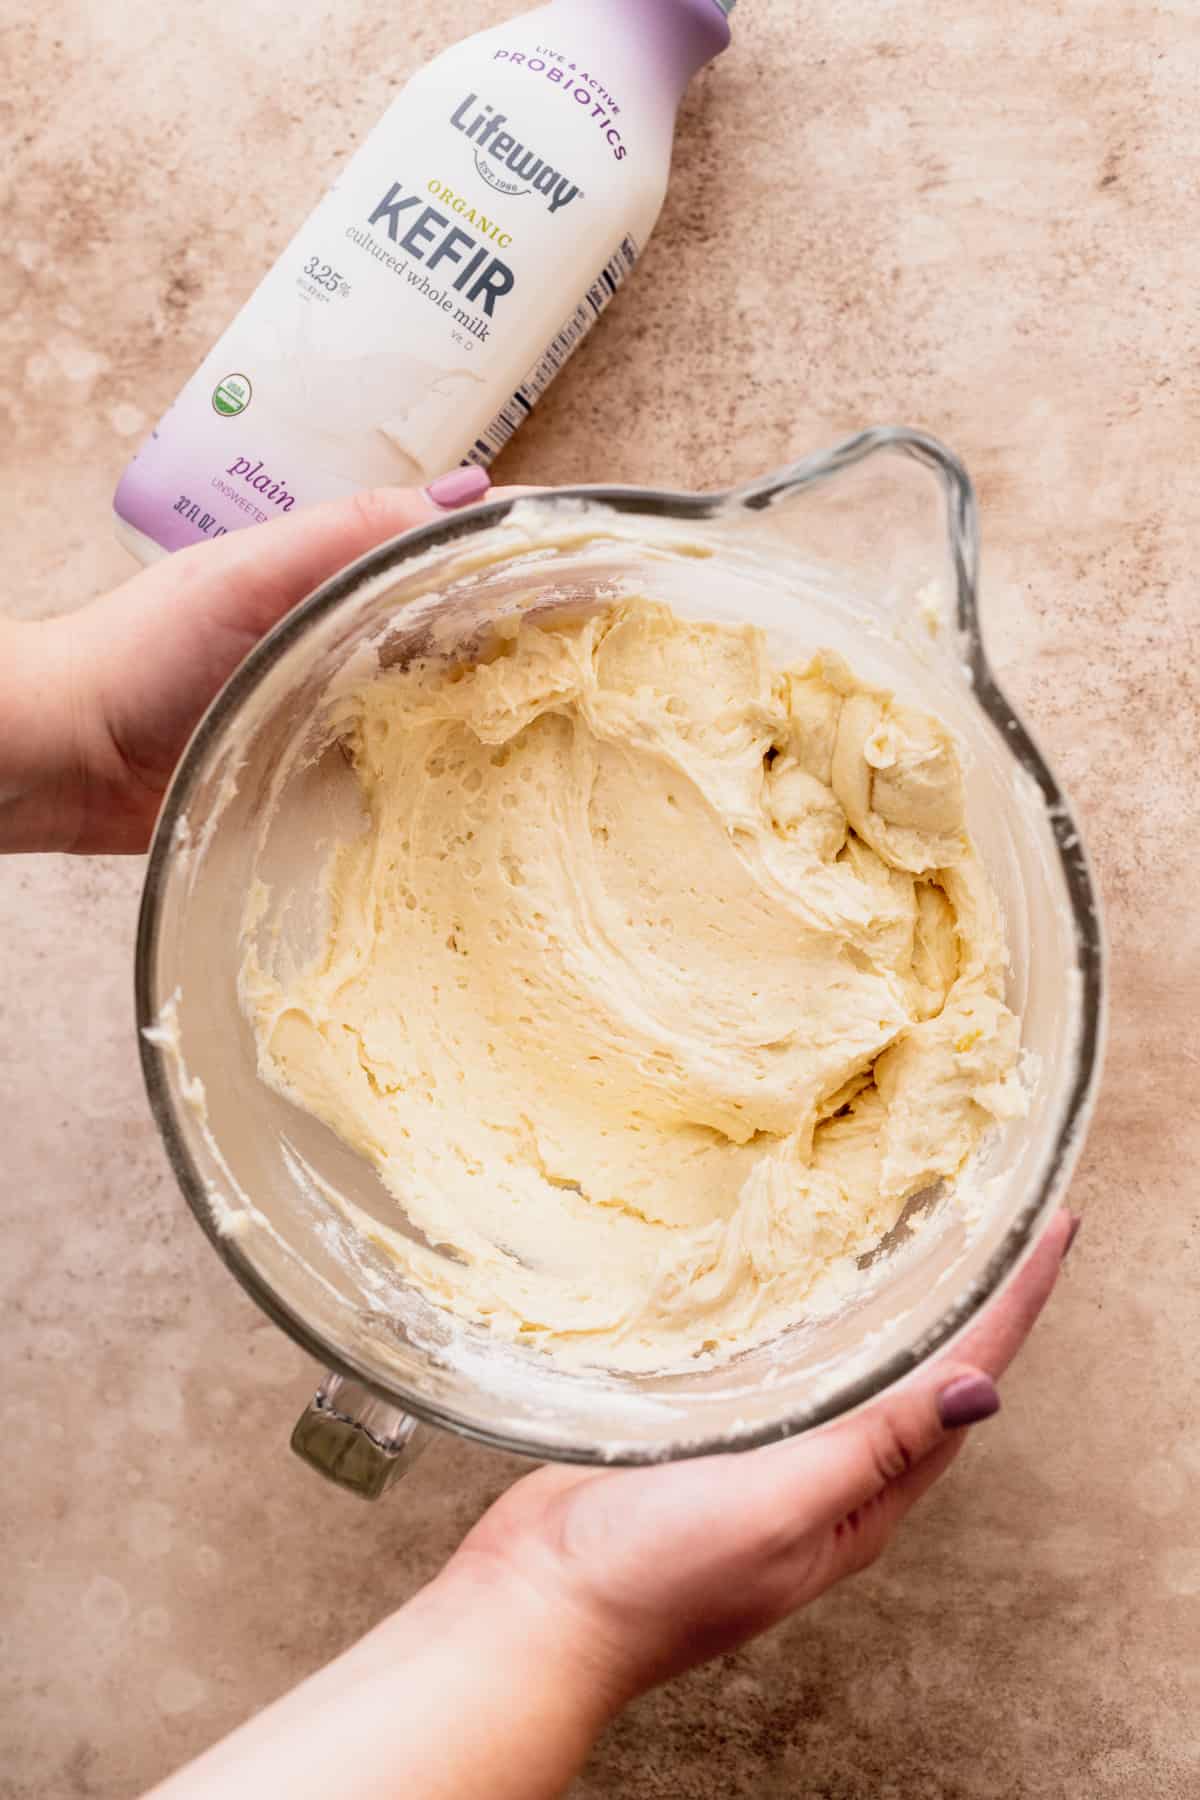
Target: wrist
x,y
64,783
42,773
529,1687
545,1642
480,1671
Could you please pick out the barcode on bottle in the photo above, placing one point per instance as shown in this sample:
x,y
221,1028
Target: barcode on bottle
x,y
556,353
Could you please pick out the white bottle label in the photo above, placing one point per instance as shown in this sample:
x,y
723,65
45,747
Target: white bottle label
x,y
423,307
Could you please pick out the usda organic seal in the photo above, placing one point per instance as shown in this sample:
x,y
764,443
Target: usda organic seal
x,y
231,396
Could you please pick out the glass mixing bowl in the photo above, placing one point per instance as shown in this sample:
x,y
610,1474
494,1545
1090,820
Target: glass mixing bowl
x,y
855,549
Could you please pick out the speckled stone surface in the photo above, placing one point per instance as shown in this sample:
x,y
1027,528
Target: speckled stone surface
x,y
975,216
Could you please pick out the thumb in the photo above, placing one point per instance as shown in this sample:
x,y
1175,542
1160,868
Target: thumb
x,y
244,583
852,1462
822,1479
150,656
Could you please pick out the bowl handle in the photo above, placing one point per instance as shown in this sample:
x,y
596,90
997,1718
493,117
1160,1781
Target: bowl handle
x,y
363,1444
873,474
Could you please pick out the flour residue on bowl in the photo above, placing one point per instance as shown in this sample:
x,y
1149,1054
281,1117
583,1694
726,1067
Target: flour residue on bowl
x,y
655,983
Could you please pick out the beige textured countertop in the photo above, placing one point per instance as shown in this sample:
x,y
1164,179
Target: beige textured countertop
x,y
978,217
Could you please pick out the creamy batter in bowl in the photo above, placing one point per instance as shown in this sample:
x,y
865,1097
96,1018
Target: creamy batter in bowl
x,y
846,553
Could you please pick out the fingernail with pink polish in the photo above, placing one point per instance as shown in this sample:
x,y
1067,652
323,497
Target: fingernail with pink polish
x,y
461,487
1072,1234
966,1400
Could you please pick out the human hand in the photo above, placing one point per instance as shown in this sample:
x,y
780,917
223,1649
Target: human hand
x,y
662,1568
578,1589
96,706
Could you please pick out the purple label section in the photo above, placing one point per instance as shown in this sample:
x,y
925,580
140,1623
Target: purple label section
x,y
585,89
198,478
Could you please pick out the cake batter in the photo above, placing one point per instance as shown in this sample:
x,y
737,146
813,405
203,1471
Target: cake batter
x,y
656,982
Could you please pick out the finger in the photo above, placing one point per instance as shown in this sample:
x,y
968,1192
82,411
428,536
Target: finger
x,y
721,1504
730,1514
994,1339
858,1539
855,1541
148,658
988,1347
855,1461
247,580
